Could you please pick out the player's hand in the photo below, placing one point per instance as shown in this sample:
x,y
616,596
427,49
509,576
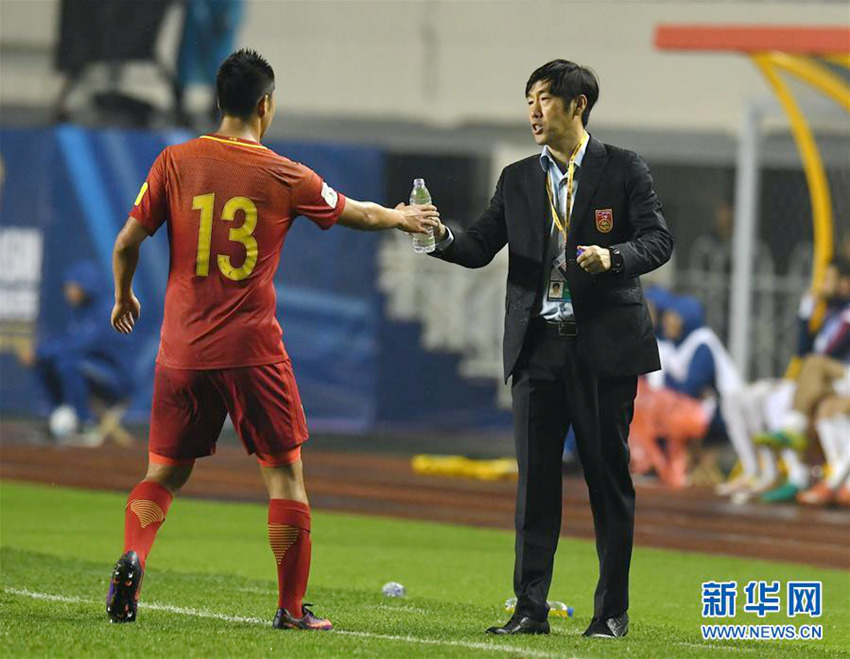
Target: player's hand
x,y
594,259
418,219
125,313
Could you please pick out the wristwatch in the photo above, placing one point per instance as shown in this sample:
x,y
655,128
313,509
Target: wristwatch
x,y
617,263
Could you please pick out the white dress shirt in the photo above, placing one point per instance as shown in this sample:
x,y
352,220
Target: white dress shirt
x,y
557,310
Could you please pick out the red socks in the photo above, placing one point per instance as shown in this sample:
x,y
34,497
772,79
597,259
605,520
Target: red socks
x,y
146,509
289,537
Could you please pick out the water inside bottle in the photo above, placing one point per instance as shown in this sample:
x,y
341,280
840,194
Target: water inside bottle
x,y
423,243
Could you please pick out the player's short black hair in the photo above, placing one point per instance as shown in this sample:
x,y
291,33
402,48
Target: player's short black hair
x,y
841,264
242,80
567,80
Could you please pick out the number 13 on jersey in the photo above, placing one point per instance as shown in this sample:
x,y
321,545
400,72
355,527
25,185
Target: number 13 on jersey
x,y
243,234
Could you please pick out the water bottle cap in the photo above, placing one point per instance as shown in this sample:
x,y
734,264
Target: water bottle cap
x,y
419,183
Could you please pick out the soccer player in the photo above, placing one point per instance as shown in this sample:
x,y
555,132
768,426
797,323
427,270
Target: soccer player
x,y
228,202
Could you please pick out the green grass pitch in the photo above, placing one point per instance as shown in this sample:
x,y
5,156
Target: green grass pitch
x,y
210,589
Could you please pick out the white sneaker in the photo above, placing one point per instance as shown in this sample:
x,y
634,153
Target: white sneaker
x,y
741,482
756,486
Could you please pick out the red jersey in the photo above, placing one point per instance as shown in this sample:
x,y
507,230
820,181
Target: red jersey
x,y
229,204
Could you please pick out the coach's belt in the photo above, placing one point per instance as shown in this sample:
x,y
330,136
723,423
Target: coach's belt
x,y
563,328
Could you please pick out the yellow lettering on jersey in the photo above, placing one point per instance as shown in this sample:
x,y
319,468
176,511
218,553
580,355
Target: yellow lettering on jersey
x,y
242,234
205,204
141,194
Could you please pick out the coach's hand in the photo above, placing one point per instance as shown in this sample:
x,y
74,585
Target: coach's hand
x,y
440,232
594,259
418,219
125,313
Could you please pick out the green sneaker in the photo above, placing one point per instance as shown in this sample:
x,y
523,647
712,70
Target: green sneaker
x,y
785,492
782,439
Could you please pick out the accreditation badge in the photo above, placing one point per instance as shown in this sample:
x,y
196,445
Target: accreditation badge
x,y
557,290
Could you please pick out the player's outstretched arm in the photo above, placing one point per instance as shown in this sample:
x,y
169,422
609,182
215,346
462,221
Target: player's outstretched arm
x,y
369,216
125,257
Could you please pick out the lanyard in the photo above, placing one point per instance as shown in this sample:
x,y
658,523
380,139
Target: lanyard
x,y
571,168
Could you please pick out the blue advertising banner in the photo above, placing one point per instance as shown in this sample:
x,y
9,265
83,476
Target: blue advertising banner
x,y
65,193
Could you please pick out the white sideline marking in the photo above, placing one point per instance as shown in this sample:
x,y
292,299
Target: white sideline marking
x,y
471,645
201,613
204,613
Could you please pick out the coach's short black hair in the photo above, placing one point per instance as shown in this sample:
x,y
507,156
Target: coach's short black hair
x,y
567,80
242,80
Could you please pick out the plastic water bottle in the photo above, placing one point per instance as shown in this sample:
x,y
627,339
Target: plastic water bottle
x,y
560,610
394,589
423,243
556,608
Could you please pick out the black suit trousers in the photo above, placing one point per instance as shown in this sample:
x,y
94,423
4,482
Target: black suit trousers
x,y
553,388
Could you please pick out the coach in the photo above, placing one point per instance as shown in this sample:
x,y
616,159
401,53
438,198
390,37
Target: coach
x,y
582,222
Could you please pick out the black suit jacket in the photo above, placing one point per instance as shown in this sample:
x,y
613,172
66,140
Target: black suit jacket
x,y
615,206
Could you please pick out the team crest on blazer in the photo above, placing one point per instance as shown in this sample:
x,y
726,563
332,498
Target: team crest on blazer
x,y
604,220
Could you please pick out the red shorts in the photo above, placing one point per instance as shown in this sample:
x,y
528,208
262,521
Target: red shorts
x,y
189,408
